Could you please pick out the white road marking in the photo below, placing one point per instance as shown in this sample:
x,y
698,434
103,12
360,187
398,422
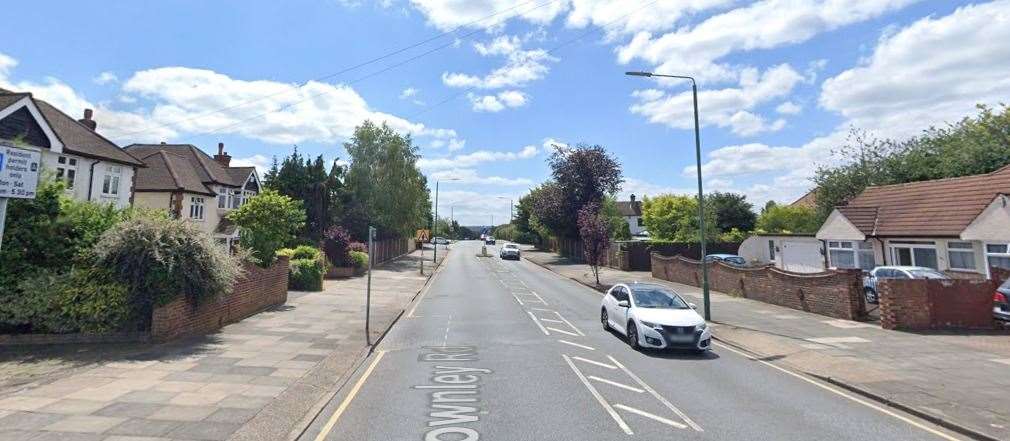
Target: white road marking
x,y
651,416
584,360
1001,361
538,323
570,324
842,394
517,299
836,340
599,398
588,348
350,396
616,384
659,397
538,296
550,320
846,324
447,323
542,309
563,332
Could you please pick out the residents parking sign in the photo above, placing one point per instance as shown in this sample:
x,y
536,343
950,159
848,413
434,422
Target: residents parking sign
x,y
19,172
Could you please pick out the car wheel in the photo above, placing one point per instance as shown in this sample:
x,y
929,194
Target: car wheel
x,y
871,295
604,319
633,335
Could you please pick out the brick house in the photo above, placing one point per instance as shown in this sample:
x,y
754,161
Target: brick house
x,y
632,213
93,167
192,185
958,225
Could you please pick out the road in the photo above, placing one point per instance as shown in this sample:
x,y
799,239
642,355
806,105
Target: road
x,y
506,350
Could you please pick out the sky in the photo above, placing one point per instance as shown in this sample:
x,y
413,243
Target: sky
x,y
486,88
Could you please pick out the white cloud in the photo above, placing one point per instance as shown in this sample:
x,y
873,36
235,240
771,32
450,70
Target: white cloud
x,y
470,176
474,158
106,78
456,144
497,103
789,108
737,160
408,93
729,107
550,144
261,162
618,17
501,45
475,208
450,14
932,71
521,66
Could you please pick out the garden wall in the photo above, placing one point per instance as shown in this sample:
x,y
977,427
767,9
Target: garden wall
x,y
257,290
936,304
835,293
389,249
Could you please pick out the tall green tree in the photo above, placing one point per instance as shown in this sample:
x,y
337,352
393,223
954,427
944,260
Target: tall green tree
x,y
581,175
320,190
788,219
387,189
732,211
675,218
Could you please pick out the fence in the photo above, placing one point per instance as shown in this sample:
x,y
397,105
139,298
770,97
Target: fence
x,y
634,255
389,249
836,293
936,304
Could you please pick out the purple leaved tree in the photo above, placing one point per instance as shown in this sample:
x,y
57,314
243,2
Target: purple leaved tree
x,y
595,234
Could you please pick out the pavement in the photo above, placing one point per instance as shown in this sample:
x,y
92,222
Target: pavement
x,y
509,350
958,380
262,378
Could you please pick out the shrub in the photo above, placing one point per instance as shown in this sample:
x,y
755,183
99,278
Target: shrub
x,y
158,259
358,246
267,222
306,252
87,300
306,274
359,259
337,244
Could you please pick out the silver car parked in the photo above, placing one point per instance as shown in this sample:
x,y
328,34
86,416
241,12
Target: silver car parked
x,y
896,272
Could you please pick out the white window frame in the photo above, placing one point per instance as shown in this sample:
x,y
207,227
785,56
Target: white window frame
x,y
223,198
1005,253
912,245
197,208
855,247
111,180
970,250
66,170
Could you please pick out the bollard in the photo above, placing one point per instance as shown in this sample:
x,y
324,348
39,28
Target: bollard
x,y
422,267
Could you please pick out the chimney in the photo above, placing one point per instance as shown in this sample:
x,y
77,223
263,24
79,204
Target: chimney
x,y
87,121
632,197
221,157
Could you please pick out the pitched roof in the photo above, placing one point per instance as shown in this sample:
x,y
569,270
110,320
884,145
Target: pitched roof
x,y
942,207
239,174
629,208
209,170
76,137
807,200
169,172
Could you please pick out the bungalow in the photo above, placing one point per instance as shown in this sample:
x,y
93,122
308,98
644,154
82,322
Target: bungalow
x,y
186,181
958,225
632,213
93,168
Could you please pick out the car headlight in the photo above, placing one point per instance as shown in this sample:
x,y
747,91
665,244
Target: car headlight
x,y
702,326
648,325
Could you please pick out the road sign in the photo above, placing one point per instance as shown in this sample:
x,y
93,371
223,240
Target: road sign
x,y
19,172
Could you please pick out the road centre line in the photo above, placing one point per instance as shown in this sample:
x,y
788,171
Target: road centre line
x,y
616,384
599,398
659,397
651,416
534,318
563,332
588,348
350,396
842,394
585,360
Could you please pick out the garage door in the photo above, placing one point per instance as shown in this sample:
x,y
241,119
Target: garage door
x,y
802,256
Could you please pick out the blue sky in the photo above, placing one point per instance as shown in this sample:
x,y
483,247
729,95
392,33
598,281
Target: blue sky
x,y
781,81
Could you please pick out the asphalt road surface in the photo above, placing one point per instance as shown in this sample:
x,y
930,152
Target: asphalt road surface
x,y
506,350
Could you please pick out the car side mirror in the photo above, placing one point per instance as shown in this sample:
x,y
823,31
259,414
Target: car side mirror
x,y
692,305
623,304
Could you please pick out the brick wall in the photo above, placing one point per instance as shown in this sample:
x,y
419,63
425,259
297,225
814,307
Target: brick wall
x,y
834,293
259,289
935,304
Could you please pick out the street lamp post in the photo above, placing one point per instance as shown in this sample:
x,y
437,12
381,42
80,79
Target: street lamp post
x,y
701,193
434,225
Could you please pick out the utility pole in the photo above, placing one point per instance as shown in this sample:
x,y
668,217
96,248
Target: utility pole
x,y
368,289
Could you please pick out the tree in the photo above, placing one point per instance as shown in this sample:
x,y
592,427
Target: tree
x,y
732,211
386,188
307,180
267,222
788,219
675,218
594,232
583,174
618,225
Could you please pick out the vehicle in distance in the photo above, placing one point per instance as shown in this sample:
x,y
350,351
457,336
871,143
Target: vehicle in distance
x,y
440,241
654,316
896,272
1001,302
731,259
509,251
489,241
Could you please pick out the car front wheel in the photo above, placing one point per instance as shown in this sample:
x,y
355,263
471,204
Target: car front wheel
x,y
871,295
633,335
604,319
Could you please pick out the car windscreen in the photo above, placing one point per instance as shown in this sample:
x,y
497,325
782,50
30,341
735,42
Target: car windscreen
x,y
736,260
657,298
926,274
512,247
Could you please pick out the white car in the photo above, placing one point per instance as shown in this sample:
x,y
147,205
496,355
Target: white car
x,y
509,251
654,316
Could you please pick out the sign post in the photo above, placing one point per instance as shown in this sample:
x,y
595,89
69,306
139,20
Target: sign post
x,y
19,177
368,289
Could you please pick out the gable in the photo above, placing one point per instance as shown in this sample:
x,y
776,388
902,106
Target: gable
x,y
838,227
23,122
993,224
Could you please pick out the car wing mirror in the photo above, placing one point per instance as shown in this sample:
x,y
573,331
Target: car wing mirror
x,y
623,303
692,305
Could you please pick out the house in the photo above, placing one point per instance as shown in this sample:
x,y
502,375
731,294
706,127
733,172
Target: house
x,y
807,200
958,225
93,168
632,213
796,252
191,185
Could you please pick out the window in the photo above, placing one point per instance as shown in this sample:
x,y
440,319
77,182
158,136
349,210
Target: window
x,y
110,184
66,170
865,257
850,254
641,222
771,250
236,199
914,253
222,198
961,255
619,293
196,208
996,255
